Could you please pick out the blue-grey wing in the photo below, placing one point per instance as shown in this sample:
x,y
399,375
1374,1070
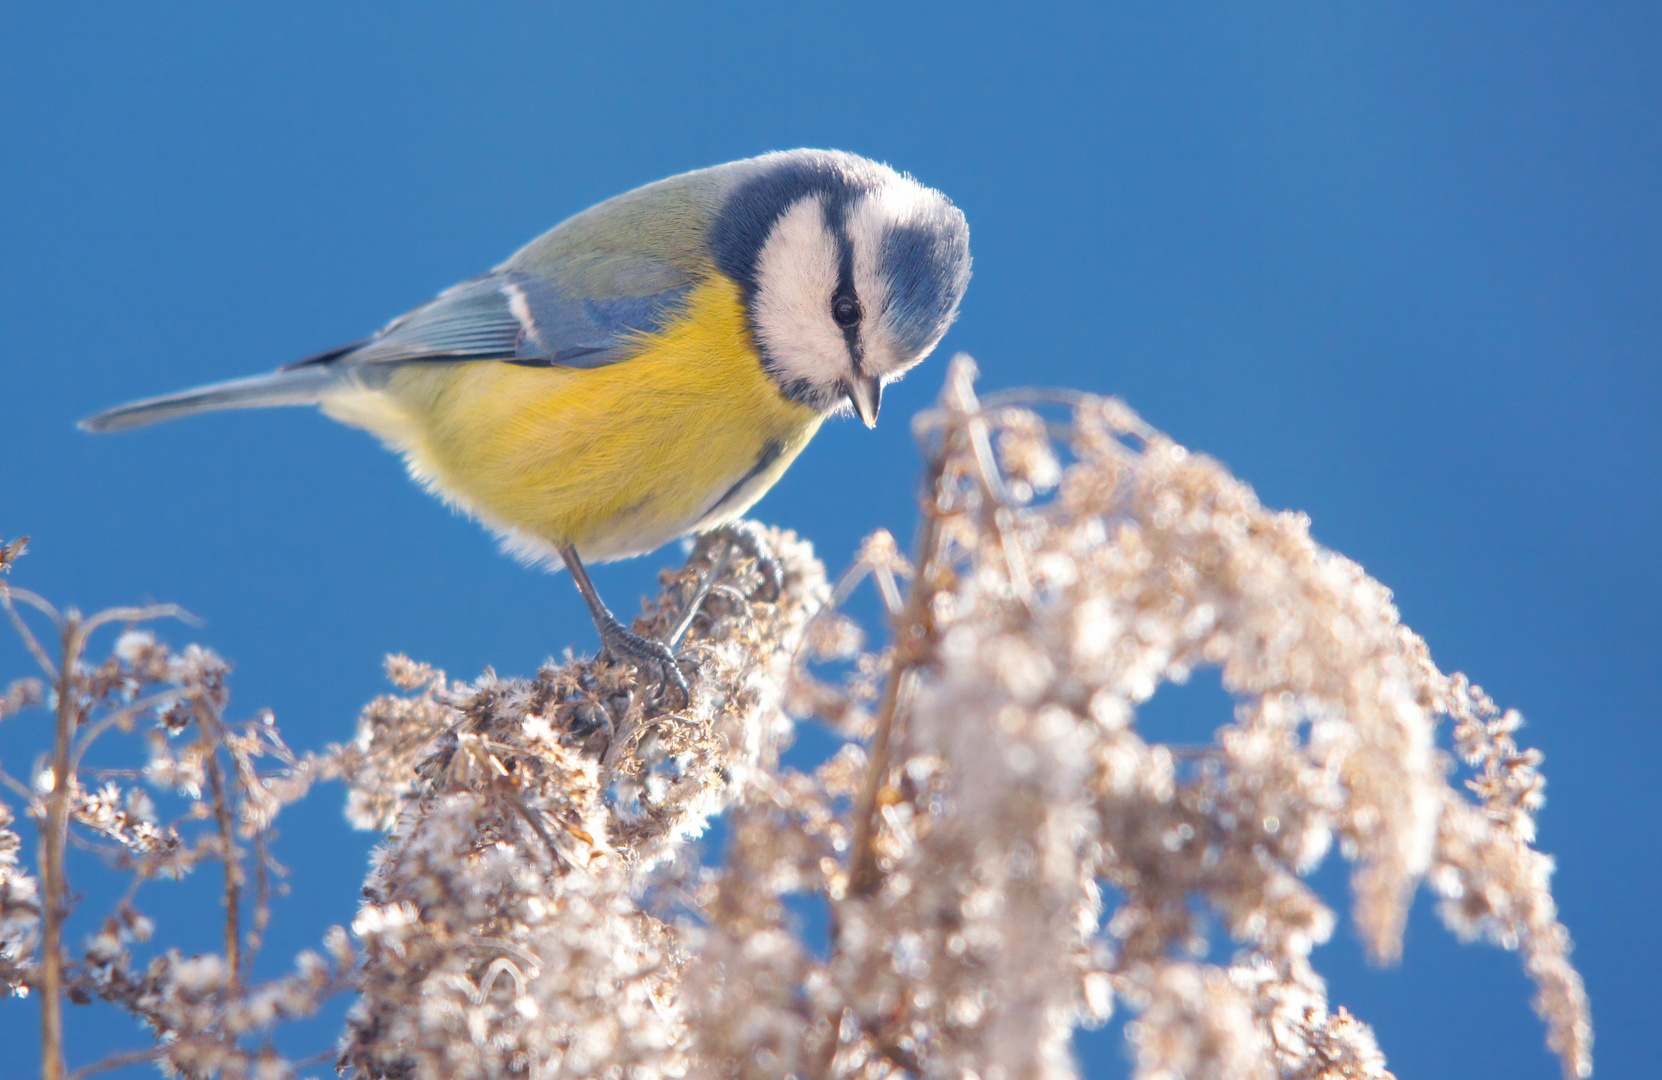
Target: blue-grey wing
x,y
519,318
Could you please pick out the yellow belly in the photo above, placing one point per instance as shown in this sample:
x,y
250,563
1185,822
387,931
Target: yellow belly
x,y
617,460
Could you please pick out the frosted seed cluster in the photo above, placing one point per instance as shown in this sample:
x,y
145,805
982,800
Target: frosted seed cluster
x,y
997,855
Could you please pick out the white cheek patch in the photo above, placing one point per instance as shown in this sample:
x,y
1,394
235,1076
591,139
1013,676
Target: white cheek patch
x,y
795,277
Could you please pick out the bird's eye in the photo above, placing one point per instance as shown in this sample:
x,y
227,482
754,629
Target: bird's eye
x,y
845,311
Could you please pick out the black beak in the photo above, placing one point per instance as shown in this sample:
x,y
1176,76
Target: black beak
x,y
865,394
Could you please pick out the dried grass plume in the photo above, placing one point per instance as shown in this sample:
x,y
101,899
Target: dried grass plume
x,y
1000,854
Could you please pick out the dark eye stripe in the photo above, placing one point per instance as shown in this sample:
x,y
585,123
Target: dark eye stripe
x,y
836,223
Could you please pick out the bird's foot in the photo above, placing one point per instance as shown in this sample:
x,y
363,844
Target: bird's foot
x,y
751,539
648,656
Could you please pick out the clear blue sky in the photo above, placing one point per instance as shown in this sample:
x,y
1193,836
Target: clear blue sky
x,y
1397,265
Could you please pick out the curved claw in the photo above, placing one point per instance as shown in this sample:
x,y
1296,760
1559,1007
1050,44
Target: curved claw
x,y
647,655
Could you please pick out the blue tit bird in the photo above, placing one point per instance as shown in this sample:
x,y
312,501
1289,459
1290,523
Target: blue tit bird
x,y
647,369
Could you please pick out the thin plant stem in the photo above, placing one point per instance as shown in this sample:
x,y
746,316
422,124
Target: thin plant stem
x,y
118,717
117,1061
911,636
9,593
54,900
228,856
262,902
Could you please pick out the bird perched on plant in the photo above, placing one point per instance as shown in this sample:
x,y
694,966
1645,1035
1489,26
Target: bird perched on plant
x,y
648,368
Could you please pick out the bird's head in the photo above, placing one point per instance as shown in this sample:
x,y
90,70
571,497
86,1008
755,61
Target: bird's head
x,y
851,272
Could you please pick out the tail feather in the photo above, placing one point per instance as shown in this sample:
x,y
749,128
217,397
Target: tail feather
x,y
294,386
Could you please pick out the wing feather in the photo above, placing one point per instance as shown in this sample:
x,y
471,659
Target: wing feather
x,y
517,317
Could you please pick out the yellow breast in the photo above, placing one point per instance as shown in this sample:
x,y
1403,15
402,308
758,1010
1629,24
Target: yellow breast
x,y
617,460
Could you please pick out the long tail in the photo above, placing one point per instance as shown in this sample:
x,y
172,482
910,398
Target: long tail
x,y
291,386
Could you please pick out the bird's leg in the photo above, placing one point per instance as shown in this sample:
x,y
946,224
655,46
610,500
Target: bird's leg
x,y
621,642
751,538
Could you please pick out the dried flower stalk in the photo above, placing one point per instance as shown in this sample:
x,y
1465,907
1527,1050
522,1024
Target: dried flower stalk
x,y
504,933
1000,853
206,1015
1007,783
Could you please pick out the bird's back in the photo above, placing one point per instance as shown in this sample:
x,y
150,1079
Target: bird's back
x,y
639,243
